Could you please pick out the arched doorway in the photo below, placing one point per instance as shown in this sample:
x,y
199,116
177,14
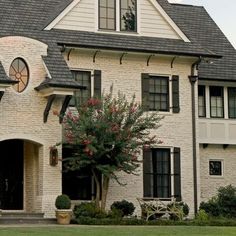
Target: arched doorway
x,y
11,174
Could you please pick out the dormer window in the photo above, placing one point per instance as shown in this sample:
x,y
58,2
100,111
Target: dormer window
x,y
107,13
119,15
128,15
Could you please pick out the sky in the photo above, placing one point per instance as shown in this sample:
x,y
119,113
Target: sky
x,y
223,13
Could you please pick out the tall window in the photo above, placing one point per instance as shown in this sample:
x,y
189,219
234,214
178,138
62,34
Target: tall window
x,y
84,78
79,184
107,14
159,93
157,174
201,101
217,102
128,15
232,102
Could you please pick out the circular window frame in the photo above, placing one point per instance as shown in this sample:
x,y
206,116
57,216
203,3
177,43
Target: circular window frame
x,y
14,77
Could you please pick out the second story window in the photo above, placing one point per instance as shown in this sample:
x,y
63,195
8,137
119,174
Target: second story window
x,y
201,101
128,15
217,101
159,93
107,14
84,78
232,102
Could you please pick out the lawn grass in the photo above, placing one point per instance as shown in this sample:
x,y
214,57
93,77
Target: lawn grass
x,y
118,231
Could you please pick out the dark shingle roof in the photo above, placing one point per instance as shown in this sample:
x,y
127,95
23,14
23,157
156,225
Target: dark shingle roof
x,y
29,17
4,79
196,23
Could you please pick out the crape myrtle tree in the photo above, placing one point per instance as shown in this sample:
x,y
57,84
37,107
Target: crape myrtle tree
x,y
108,135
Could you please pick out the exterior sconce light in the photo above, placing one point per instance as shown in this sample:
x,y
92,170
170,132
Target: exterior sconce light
x,y
53,156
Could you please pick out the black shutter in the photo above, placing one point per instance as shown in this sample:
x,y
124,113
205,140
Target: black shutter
x,y
177,174
147,173
97,83
175,94
145,91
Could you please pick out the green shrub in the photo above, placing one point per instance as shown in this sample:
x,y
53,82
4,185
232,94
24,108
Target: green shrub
x,y
127,208
211,207
224,204
63,202
227,201
85,209
202,216
115,213
183,210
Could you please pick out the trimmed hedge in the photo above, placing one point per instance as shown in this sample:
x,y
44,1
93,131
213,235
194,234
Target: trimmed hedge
x,y
135,221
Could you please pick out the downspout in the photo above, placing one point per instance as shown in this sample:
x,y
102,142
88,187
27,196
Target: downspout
x,y
192,79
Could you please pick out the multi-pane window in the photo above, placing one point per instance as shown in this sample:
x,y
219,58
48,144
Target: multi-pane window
x,y
217,101
232,102
128,15
215,168
107,14
159,93
201,101
19,71
157,174
84,78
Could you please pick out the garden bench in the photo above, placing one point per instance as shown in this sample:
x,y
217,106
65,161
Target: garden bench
x,y
159,206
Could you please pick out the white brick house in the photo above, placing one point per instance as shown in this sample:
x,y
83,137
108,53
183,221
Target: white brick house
x,y
173,56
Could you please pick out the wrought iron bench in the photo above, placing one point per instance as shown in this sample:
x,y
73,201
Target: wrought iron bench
x,y
159,206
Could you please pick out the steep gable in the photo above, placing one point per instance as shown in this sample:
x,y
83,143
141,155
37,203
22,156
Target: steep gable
x,y
152,20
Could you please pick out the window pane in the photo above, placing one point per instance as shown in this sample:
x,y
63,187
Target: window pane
x,y
232,102
159,93
217,101
107,14
201,101
128,15
103,3
103,24
81,96
103,12
215,168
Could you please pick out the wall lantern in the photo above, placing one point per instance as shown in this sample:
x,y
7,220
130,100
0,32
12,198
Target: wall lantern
x,y
53,156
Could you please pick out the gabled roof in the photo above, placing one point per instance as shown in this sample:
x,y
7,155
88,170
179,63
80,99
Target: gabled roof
x,y
29,17
199,27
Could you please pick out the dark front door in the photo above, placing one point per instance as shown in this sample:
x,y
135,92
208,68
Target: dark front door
x,y
11,175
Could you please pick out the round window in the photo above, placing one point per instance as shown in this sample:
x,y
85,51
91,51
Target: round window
x,y
19,71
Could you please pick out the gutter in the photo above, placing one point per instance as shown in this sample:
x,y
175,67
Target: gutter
x,y
122,49
193,79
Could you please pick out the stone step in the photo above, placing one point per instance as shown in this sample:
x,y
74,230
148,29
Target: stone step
x,y
11,220
22,215
24,218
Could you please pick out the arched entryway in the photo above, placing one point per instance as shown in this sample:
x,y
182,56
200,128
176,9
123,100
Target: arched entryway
x,y
12,175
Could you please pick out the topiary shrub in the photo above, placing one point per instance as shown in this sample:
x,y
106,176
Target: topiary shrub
x,y
126,208
63,202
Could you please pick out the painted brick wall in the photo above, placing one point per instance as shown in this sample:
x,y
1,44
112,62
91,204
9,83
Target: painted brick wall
x,y
176,129
21,117
210,184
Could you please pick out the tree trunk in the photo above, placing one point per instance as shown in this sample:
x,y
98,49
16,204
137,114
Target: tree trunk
x,y
97,198
105,186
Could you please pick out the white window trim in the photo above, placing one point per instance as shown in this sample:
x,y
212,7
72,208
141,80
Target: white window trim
x,y
225,99
222,168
